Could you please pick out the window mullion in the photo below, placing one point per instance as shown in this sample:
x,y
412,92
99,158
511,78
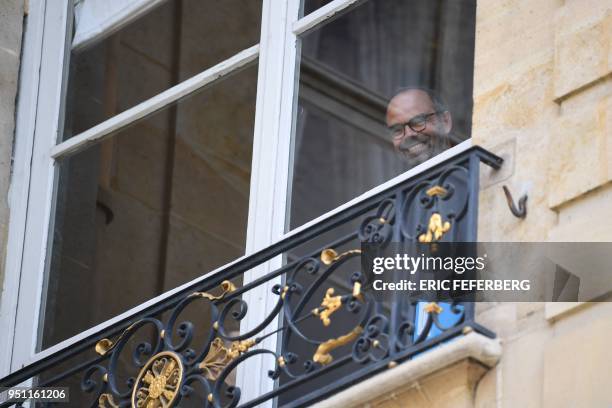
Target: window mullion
x,y
156,103
271,147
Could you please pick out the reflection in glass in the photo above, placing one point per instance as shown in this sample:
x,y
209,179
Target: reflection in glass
x,y
158,204
350,68
153,53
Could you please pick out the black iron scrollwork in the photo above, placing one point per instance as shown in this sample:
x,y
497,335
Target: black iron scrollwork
x,y
163,358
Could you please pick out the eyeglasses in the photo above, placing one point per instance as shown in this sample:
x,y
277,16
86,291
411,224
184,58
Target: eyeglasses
x,y
417,124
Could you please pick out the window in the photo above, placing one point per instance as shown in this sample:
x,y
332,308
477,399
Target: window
x,y
143,147
162,200
176,144
349,70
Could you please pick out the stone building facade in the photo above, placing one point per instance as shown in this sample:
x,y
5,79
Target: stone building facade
x,y
542,92
12,16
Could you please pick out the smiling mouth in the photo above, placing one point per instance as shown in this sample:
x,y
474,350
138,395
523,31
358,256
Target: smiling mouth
x,y
416,148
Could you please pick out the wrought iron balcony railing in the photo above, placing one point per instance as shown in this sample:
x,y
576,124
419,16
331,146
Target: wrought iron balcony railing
x,y
330,331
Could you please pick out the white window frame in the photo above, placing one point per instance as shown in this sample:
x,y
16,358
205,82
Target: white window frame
x,y
39,123
97,19
37,105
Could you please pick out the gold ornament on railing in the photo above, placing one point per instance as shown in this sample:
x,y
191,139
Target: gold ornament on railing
x,y
106,401
323,353
329,256
157,385
433,307
329,305
435,229
106,345
226,287
357,291
436,191
216,360
103,346
219,356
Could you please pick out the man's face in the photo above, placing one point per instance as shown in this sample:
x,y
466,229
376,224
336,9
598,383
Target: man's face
x,y
418,146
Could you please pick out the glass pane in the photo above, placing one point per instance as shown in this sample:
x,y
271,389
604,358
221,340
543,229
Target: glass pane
x,y
158,204
382,88
173,42
308,6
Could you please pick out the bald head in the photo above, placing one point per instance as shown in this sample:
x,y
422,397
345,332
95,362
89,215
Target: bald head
x,y
412,102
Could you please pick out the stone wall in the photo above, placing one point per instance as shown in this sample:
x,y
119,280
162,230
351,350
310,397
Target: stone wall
x,y
11,27
542,100
542,90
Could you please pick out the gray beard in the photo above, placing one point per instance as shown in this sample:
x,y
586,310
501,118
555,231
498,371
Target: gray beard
x,y
435,146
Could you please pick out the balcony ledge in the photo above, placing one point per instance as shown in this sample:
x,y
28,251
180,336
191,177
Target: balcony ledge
x,y
464,361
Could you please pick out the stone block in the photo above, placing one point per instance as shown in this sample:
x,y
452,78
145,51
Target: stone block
x,y
581,317
521,367
414,394
575,14
577,367
445,376
571,224
11,23
582,55
486,391
490,176
9,72
512,36
520,102
449,388
501,319
454,387
579,152
529,312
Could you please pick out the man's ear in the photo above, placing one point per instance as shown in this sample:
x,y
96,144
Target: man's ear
x,y
447,122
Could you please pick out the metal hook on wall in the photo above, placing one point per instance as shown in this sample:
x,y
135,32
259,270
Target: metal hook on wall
x,y
108,213
521,211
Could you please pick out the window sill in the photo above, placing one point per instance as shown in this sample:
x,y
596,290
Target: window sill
x,y
448,371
